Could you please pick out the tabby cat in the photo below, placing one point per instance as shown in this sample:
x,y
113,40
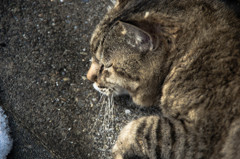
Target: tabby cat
x,y
180,55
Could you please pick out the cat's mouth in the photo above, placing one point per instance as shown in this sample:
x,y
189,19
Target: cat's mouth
x,y
115,91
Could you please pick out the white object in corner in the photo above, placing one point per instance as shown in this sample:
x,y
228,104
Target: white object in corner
x,y
5,139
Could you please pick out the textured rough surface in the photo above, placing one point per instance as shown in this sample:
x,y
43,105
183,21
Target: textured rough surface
x,y
44,57
43,63
26,144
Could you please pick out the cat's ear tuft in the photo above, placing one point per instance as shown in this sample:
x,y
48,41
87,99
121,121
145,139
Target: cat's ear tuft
x,y
137,37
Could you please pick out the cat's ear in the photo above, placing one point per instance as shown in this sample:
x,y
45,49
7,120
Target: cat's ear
x,y
137,37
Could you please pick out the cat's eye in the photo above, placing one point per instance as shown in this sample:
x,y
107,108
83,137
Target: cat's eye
x,y
101,68
104,66
108,65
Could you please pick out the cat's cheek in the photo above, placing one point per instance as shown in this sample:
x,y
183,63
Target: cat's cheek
x,y
121,91
122,86
137,100
142,100
114,79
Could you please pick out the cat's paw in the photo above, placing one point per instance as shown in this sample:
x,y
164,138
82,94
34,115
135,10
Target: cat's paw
x,y
232,144
138,140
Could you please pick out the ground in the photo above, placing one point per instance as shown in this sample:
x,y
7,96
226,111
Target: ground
x,y
44,56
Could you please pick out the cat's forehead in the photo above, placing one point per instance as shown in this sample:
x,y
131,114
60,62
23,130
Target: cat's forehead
x,y
98,54
100,38
98,50
95,40
96,44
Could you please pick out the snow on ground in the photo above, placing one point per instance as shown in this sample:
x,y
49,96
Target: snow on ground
x,y
5,140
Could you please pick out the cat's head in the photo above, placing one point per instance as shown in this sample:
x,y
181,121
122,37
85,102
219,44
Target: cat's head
x,y
129,57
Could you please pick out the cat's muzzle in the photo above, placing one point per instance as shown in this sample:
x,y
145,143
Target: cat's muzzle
x,y
116,91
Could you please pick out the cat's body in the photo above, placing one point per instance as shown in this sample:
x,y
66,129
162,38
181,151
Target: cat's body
x,y
183,56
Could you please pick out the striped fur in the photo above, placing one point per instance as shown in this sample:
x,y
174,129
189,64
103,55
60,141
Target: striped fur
x,y
180,55
156,137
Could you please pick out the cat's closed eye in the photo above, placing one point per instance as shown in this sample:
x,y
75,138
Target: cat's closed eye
x,y
101,68
108,65
104,66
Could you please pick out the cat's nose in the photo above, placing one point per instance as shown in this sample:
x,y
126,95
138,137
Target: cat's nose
x,y
92,72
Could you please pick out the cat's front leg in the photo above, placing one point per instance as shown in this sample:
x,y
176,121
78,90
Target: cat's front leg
x,y
231,148
151,137
138,139
156,137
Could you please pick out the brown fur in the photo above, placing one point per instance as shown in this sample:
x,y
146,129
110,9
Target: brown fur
x,y
183,56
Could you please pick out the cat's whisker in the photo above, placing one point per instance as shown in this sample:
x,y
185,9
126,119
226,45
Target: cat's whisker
x,y
101,101
109,110
105,114
112,108
101,97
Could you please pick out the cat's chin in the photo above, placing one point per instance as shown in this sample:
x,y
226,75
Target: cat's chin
x,y
108,92
121,92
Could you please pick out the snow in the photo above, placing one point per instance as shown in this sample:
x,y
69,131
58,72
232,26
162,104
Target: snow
x,y
5,140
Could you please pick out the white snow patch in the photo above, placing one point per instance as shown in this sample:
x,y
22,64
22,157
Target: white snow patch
x,y
5,140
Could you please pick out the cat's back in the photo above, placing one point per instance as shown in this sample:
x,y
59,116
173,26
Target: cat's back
x,y
208,61
203,86
208,58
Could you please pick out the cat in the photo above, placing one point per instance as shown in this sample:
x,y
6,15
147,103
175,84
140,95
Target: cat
x,y
183,56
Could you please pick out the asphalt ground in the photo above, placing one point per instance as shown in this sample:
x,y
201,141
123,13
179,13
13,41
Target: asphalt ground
x,y
44,56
